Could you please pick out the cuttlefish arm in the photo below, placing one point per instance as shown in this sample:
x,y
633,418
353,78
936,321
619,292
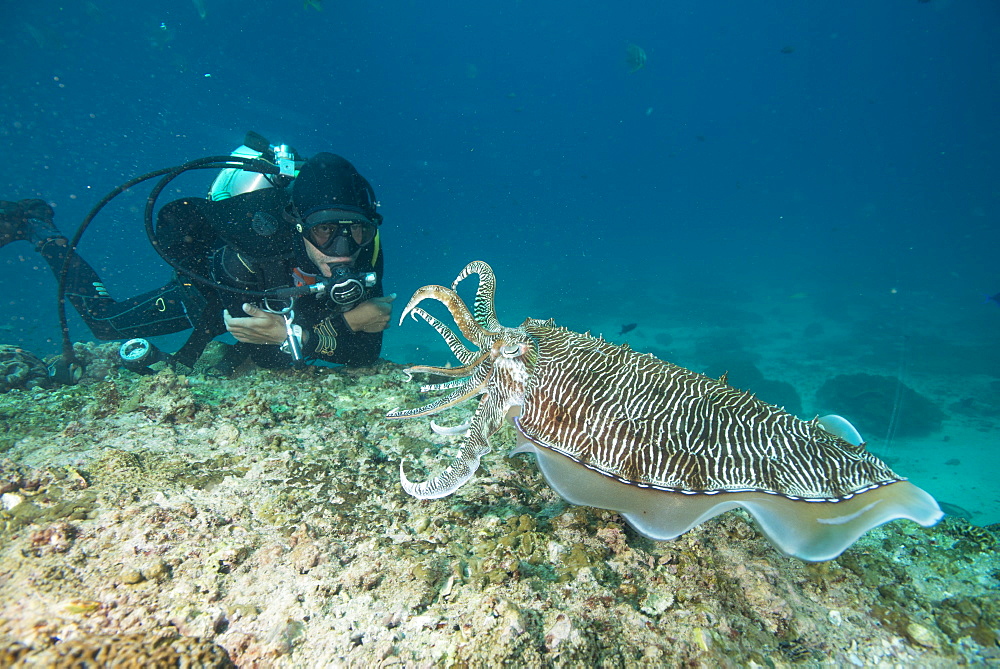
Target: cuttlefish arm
x,y
483,309
473,386
490,413
449,430
465,321
464,355
447,385
488,419
451,372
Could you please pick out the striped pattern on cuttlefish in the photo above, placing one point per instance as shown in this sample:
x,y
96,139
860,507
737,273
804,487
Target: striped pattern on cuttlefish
x,y
666,447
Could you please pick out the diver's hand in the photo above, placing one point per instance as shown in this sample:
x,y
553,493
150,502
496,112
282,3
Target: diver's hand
x,y
262,327
371,315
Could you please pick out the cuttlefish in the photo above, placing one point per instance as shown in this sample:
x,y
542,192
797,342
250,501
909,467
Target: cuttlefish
x,y
664,446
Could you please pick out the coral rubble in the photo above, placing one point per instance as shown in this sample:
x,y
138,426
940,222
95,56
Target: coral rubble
x,y
263,516
20,369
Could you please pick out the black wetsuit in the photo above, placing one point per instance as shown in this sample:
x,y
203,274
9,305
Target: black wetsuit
x,y
243,242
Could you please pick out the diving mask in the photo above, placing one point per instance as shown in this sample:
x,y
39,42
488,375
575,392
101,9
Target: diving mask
x,y
338,233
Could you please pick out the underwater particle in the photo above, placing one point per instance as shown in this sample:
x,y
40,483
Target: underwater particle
x,y
635,57
160,36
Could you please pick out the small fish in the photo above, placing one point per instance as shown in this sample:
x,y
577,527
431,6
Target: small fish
x,y
628,327
635,57
993,298
955,510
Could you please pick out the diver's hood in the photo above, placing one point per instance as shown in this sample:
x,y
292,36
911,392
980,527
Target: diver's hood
x,y
329,181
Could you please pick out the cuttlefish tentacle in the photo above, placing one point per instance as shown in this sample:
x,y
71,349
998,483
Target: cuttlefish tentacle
x,y
464,355
484,310
466,323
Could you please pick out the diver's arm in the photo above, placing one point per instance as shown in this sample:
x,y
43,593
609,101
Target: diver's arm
x,y
371,315
259,327
333,340
352,338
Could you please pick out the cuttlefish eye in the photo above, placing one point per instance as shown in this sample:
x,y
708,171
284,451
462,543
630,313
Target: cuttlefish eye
x,y
511,350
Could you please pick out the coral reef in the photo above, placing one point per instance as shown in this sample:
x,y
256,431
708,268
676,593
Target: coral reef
x,y
878,405
263,516
20,369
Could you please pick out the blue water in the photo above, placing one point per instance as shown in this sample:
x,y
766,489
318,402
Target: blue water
x,y
842,155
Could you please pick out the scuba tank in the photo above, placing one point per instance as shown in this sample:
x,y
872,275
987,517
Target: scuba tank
x,y
233,181
246,217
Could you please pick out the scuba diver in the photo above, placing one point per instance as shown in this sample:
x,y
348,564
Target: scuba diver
x,y
290,263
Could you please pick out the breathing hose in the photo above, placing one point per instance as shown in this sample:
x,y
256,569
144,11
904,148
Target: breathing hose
x,y
69,369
